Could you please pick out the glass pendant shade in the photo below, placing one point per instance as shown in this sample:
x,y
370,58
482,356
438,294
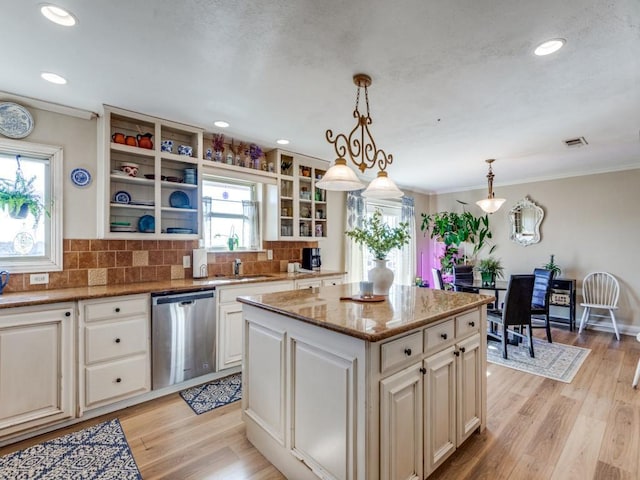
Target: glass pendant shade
x,y
490,205
340,178
382,187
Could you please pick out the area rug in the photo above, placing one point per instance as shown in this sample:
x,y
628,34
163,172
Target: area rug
x,y
100,452
223,391
552,360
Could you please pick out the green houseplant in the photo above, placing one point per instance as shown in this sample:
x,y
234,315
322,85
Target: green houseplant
x,y
380,239
551,265
19,198
490,268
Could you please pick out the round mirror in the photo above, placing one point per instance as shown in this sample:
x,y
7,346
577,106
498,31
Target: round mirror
x,y
525,218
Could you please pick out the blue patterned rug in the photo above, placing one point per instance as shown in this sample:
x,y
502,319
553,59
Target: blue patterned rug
x,y
552,360
98,452
204,398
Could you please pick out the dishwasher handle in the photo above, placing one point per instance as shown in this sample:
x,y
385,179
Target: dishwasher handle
x,y
183,299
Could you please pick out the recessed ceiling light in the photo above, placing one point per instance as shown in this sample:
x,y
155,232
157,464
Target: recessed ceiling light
x,y
53,78
550,46
221,124
282,141
58,15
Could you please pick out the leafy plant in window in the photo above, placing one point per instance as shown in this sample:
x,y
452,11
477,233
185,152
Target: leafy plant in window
x,y
379,237
19,197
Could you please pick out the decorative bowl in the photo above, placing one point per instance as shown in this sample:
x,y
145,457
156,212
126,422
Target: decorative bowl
x,y
130,169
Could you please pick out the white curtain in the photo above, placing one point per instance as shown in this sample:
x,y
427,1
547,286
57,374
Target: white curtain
x,y
354,253
407,270
251,223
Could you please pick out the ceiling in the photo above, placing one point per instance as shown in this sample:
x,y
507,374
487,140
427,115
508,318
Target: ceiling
x,y
453,83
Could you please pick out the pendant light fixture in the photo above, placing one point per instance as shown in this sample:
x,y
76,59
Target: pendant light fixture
x,y
490,204
362,151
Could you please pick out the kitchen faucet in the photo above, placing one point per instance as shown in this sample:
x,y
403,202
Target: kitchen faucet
x,y
236,266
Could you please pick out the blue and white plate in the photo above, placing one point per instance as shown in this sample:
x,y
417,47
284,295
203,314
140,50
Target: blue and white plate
x,y
147,224
179,199
15,120
80,177
122,197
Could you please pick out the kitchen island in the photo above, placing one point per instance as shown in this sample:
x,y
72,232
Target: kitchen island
x,y
339,389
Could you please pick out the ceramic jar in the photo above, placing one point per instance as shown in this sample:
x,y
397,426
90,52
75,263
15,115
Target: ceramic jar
x,y
381,276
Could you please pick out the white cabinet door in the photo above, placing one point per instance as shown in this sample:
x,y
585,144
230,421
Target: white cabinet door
x,y
36,378
440,408
230,331
401,430
323,410
469,389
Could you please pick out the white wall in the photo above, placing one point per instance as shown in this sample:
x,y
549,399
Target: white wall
x,y
78,139
591,223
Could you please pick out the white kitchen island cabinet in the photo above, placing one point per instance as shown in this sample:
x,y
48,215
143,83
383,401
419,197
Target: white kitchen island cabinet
x,y
344,390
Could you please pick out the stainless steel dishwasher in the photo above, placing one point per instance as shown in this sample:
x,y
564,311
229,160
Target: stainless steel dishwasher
x,y
183,336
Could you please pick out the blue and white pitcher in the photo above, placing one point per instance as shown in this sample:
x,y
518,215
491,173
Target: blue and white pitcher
x,y
4,279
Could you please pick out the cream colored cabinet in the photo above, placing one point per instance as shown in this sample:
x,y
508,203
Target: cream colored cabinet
x,y
229,325
319,282
37,352
401,431
162,199
329,281
301,209
114,350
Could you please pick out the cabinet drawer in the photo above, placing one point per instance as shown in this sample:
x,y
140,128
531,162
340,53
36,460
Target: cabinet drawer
x,y
114,308
439,335
230,294
400,352
309,283
327,282
115,339
115,380
467,323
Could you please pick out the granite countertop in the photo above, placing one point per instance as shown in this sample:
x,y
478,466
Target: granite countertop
x,y
406,308
40,297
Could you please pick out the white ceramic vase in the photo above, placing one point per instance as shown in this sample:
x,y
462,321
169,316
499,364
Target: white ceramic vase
x,y
382,277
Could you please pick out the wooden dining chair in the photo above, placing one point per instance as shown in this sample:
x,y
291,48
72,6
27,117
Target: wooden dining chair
x,y
540,299
516,313
436,274
600,291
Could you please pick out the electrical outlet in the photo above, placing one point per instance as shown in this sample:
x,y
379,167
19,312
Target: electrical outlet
x,y
269,254
38,278
186,261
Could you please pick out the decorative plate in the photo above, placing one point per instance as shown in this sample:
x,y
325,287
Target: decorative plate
x,y
15,120
179,199
179,230
80,177
122,197
147,224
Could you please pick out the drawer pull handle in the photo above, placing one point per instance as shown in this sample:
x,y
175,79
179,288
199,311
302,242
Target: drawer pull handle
x,y
456,353
117,340
67,314
407,351
117,309
472,324
118,380
444,336
423,370
462,349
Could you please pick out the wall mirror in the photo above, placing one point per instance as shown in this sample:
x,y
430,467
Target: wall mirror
x,y
525,218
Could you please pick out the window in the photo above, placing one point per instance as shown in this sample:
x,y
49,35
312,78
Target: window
x,y
27,243
230,211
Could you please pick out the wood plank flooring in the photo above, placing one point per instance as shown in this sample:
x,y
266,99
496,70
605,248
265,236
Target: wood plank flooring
x,y
537,428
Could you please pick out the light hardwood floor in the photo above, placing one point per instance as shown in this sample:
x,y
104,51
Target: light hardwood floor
x,y
537,428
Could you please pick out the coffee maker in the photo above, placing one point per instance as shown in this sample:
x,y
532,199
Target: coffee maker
x,y
311,258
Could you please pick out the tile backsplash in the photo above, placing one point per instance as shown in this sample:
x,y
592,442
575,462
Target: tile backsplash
x,y
109,262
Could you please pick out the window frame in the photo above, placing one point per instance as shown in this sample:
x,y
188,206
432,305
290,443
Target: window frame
x,y
54,154
256,197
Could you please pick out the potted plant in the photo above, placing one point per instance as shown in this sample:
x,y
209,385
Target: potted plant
x,y
551,265
490,268
380,239
19,198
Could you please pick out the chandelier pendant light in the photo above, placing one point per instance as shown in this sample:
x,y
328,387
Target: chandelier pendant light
x,y
361,149
490,204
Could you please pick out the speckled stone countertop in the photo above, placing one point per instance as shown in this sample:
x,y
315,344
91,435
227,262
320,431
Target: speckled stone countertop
x,y
40,297
406,308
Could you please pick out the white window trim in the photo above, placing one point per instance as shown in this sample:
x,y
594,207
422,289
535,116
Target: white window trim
x,y
54,263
